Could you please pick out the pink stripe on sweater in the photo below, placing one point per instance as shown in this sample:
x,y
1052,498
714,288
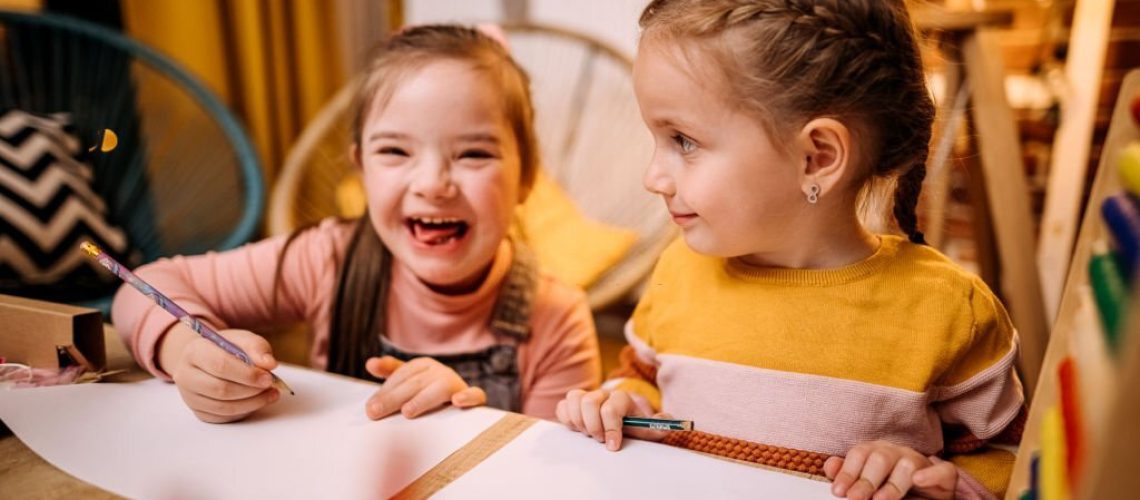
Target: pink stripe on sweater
x,y
806,412
987,402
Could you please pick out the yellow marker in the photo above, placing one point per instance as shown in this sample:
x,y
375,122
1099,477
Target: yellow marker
x,y
1129,166
107,141
1054,481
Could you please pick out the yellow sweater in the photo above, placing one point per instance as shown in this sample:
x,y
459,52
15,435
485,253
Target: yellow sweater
x,y
903,346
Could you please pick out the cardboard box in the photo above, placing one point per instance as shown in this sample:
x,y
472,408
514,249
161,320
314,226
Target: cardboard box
x,y
41,334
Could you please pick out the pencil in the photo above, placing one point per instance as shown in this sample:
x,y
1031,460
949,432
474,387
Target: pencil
x,y
186,318
659,424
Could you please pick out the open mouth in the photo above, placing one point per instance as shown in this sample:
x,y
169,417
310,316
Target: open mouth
x,y
436,230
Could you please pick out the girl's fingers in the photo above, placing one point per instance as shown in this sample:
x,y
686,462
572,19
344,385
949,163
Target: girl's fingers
x,y
574,409
199,382
592,414
469,397
560,413
831,467
849,473
616,407
211,359
938,480
382,367
255,346
875,470
899,481
406,371
392,396
228,411
432,396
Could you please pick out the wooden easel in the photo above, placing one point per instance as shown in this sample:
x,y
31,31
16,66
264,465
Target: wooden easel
x,y
1088,44
1112,446
972,59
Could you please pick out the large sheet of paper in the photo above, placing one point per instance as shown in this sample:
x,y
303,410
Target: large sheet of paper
x,y
140,441
549,461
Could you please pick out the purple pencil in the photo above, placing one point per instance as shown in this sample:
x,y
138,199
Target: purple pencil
x,y
186,318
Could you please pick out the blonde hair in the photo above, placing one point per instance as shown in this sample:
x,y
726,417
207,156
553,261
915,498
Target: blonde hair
x,y
789,61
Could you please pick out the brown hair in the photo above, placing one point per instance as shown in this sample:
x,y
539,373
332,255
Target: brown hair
x,y
360,300
789,61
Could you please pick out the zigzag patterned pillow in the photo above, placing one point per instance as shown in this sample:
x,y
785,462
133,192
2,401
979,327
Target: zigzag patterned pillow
x,y
47,207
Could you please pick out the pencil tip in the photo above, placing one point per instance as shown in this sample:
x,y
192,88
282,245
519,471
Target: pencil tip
x,y
281,385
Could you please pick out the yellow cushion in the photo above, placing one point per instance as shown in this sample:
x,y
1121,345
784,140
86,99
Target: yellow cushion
x,y
568,245
350,196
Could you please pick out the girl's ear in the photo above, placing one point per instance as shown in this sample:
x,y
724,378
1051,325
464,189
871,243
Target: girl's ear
x,y
524,192
825,144
354,155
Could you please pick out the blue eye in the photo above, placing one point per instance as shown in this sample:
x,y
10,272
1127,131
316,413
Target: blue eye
x,y
687,145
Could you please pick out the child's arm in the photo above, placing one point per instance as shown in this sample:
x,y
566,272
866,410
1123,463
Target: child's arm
x,y
980,403
630,391
230,289
233,288
562,352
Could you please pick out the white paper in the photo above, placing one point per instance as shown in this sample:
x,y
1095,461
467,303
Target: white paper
x,y
550,461
139,440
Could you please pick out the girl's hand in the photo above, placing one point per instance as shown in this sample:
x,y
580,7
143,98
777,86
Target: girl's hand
x,y
598,414
885,471
417,387
217,386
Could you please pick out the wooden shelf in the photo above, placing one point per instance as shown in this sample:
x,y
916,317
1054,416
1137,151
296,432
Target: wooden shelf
x,y
1112,450
934,18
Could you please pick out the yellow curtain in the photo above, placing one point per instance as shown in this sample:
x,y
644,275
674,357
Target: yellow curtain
x,y
275,63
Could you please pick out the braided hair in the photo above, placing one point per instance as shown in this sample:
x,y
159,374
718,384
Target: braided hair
x,y
789,61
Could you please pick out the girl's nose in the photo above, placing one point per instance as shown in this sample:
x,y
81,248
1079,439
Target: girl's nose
x,y
432,180
657,179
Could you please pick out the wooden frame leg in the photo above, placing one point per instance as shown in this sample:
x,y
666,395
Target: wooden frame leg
x,y
950,113
1008,198
1088,44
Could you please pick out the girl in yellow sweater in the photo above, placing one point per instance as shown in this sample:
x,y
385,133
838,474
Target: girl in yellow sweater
x,y
781,319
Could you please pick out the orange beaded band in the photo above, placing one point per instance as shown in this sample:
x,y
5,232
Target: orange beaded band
x,y
807,462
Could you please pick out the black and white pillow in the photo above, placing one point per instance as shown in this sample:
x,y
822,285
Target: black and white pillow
x,y
47,208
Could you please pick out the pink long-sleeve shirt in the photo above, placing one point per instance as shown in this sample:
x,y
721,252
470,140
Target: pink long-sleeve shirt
x,y
235,289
